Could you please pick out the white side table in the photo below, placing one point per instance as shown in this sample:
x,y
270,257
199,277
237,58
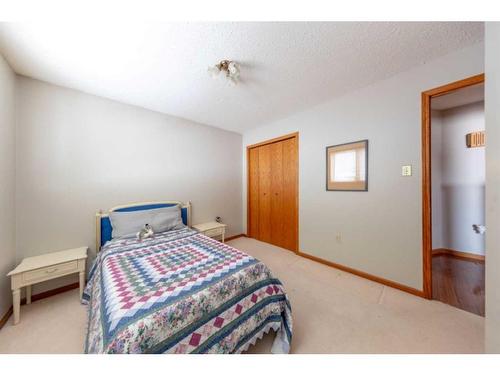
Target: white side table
x,y
212,229
45,267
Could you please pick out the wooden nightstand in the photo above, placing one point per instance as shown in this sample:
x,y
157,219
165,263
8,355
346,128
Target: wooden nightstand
x,y
212,229
45,267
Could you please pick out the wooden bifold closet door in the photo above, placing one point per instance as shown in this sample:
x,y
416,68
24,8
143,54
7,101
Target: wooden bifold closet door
x,y
272,192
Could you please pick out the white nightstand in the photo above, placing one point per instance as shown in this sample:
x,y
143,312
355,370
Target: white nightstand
x,y
45,267
212,229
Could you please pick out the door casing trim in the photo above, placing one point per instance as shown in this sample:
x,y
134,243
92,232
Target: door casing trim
x,y
427,173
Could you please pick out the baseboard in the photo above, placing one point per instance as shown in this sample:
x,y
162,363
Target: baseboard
x,y
365,275
6,317
39,296
235,237
458,254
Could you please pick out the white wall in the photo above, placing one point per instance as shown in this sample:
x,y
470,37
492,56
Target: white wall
x,y
492,109
381,228
78,153
458,179
7,182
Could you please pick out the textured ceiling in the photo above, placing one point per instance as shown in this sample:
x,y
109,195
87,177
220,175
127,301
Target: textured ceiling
x,y
285,67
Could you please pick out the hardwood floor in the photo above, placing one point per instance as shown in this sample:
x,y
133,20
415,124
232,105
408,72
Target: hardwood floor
x,y
459,282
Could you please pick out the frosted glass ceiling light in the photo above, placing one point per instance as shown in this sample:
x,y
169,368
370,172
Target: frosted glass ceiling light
x,y
231,71
213,71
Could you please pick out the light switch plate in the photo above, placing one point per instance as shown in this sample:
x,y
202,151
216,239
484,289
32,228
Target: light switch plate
x,y
406,170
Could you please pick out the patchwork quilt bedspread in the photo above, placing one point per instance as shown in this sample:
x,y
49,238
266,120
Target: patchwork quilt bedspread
x,y
182,292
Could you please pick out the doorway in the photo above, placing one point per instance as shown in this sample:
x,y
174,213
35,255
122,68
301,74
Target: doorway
x,y
272,191
453,193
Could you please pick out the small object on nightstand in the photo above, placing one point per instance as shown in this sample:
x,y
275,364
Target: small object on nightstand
x,y
45,267
212,229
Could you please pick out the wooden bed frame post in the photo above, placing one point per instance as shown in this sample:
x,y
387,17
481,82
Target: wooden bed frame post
x,y
188,206
98,216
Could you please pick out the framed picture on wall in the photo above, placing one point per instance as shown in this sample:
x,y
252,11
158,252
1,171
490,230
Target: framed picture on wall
x,y
347,167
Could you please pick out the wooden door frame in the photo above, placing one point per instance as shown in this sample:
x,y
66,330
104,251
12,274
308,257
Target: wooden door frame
x,y
269,141
427,175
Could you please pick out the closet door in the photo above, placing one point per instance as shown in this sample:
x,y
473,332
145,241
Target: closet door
x,y
272,193
289,217
264,193
253,192
277,227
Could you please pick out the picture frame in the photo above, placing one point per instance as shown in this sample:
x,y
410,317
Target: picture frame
x,y
347,166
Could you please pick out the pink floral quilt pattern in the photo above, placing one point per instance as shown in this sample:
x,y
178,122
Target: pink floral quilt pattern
x,y
182,292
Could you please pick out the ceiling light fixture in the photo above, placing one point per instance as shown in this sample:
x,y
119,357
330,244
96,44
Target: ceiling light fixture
x,y
231,70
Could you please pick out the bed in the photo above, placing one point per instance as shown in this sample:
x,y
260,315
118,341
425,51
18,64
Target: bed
x,y
179,292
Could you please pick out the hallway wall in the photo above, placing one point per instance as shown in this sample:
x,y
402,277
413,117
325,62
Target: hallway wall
x,y
458,179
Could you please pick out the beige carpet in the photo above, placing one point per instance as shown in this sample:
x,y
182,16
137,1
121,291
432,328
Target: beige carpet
x,y
333,312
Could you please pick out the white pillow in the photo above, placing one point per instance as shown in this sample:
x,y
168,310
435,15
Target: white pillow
x,y
130,222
